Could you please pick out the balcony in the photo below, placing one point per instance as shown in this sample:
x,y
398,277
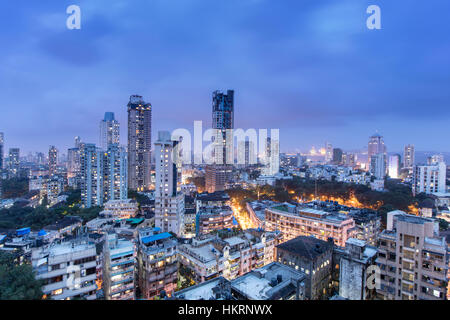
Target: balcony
x,y
121,288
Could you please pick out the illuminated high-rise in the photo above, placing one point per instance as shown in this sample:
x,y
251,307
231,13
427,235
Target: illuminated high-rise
x,y
103,174
14,161
394,166
52,160
408,157
169,203
139,143
376,146
109,131
91,159
217,173
115,173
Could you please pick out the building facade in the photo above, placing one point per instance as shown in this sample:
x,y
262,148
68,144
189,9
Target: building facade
x,y
356,264
313,257
228,254
294,222
169,202
429,178
139,143
103,174
157,263
68,269
394,166
118,268
409,157
109,131
52,160
209,219
413,259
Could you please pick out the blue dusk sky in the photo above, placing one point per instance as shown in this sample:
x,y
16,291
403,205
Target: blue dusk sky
x,y
308,67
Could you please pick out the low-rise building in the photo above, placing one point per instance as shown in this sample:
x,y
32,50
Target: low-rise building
x,y
271,282
226,253
215,199
215,289
120,209
118,268
295,221
68,269
356,266
313,257
413,259
65,226
213,218
157,263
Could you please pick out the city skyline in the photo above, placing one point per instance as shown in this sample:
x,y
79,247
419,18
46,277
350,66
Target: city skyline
x,y
375,80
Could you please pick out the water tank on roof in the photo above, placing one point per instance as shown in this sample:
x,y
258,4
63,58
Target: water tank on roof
x,y
279,278
273,282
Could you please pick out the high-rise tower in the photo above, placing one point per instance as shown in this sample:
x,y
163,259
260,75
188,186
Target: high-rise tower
x,y
217,174
52,160
139,143
376,147
169,203
408,157
109,131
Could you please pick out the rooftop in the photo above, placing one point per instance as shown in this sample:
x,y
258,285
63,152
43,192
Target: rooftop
x,y
156,237
215,196
267,282
202,291
307,247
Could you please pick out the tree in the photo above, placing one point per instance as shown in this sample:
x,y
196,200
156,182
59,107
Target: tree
x,y
199,182
443,225
139,198
73,197
17,282
14,188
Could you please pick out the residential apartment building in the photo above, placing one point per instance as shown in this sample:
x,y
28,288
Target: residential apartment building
x,y
413,259
216,177
14,161
109,131
271,282
378,165
169,202
429,178
409,157
103,174
218,172
274,281
376,146
215,199
209,219
157,263
356,269
295,221
227,253
120,209
139,143
52,160
118,268
313,257
68,269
